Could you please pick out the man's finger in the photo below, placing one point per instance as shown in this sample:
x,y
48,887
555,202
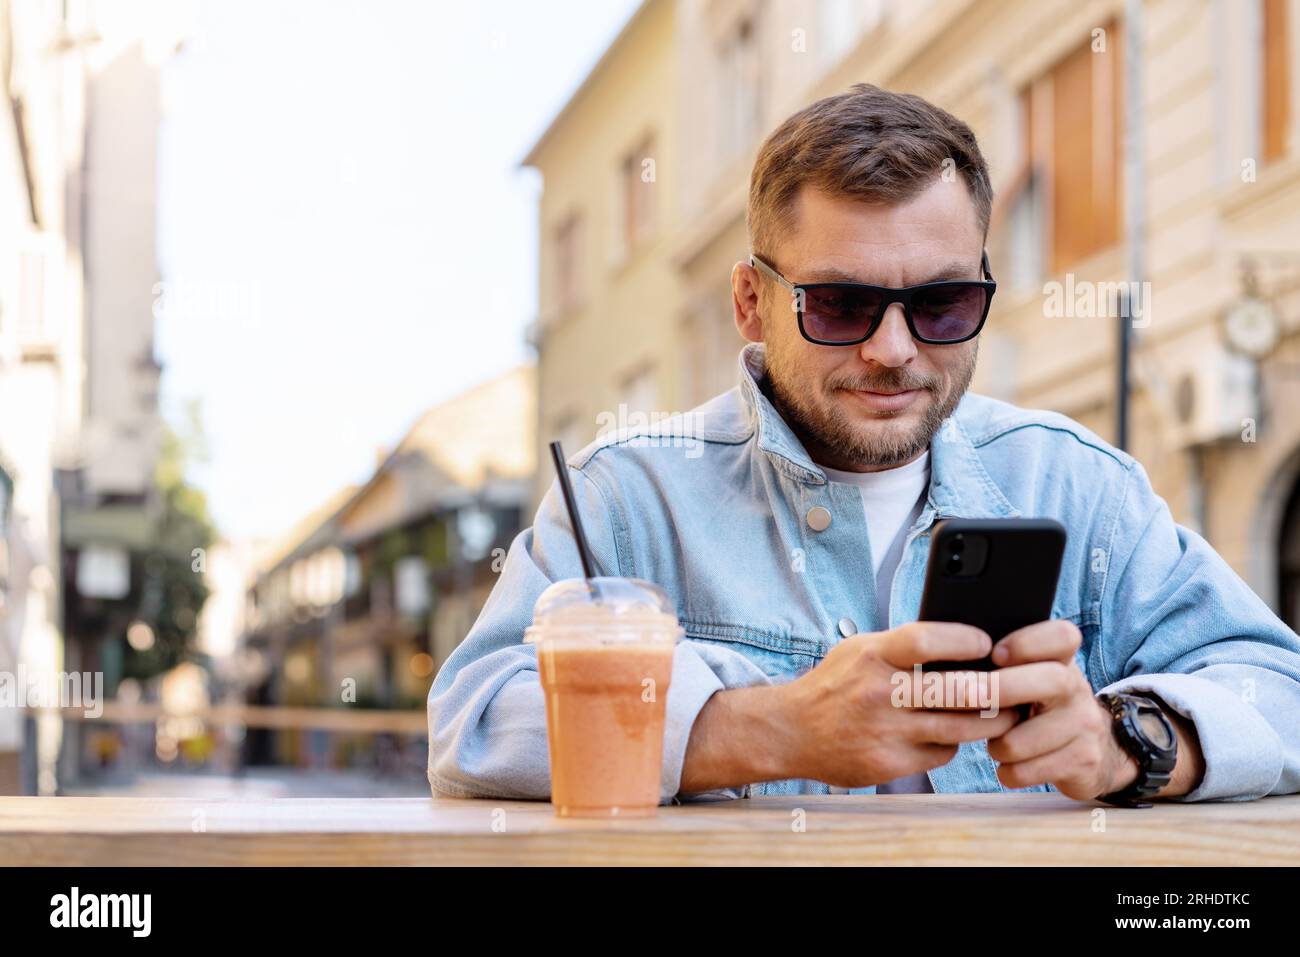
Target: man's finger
x,y
1039,682
1056,640
938,727
925,641
1041,734
1055,767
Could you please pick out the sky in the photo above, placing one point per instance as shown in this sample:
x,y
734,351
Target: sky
x,y
345,236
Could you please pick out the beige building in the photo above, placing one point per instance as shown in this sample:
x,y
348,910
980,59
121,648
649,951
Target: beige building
x,y
79,418
1178,172
42,350
609,308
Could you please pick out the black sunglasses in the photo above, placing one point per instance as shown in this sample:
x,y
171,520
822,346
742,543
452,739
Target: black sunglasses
x,y
849,313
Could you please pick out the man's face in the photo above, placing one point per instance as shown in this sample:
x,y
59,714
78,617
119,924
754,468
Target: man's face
x,y
878,404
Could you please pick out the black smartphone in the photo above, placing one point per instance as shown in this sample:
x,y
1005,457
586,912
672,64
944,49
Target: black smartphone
x,y
998,574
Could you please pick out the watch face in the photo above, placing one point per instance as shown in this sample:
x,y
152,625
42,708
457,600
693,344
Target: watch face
x,y
1155,730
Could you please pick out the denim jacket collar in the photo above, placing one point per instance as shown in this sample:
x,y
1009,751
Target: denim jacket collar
x,y
960,486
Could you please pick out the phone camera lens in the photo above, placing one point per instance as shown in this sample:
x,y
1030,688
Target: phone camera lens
x,y
958,543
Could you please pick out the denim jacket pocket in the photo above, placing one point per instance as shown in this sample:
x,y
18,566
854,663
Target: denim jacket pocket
x,y
779,656
1090,629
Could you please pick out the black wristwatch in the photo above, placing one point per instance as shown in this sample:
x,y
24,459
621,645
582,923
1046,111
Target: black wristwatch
x,y
1145,732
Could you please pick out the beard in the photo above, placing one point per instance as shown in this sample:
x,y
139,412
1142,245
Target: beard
x,y
882,441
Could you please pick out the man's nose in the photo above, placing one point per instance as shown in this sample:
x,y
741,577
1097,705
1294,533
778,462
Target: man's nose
x,y
892,344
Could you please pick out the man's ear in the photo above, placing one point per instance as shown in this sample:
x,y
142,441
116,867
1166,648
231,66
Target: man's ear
x,y
746,294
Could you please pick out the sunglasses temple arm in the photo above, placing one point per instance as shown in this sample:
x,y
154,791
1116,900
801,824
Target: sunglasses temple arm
x,y
768,271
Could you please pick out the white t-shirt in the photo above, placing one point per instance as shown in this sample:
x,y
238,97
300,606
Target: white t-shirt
x,y
892,500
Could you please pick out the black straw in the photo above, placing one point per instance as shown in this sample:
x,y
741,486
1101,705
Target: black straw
x,y
562,471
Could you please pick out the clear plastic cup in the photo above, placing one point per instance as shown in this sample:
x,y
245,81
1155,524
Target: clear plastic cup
x,y
605,656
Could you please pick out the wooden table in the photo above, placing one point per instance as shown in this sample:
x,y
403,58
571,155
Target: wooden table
x,y
839,829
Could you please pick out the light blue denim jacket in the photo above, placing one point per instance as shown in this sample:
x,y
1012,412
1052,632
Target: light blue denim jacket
x,y
712,506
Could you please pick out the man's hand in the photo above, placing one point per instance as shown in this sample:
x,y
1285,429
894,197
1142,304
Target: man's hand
x,y
839,722
1068,741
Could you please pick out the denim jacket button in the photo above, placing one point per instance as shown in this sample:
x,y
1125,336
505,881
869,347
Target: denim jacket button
x,y
819,519
847,627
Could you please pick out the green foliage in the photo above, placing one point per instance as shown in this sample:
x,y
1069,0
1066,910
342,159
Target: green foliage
x,y
435,536
392,546
174,589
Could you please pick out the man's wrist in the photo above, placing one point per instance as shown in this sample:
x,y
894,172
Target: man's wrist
x,y
1124,769
741,735
1189,766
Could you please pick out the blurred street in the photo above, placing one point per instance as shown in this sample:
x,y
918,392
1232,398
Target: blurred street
x,y
290,308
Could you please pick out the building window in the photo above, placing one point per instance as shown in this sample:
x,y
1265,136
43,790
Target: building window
x,y
843,22
1020,244
1072,117
411,586
741,99
568,264
638,175
1275,118
839,27
39,258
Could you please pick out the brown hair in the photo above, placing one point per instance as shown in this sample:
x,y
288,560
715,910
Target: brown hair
x,y
867,143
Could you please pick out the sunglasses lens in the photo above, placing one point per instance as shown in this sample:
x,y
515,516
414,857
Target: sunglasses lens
x,y
838,313
949,312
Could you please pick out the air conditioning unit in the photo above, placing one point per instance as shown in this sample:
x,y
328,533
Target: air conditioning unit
x,y
1209,392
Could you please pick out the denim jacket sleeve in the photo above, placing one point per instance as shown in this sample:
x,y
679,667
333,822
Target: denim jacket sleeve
x,y
1178,622
487,720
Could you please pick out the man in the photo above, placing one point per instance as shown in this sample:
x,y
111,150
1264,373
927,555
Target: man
x,y
794,540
